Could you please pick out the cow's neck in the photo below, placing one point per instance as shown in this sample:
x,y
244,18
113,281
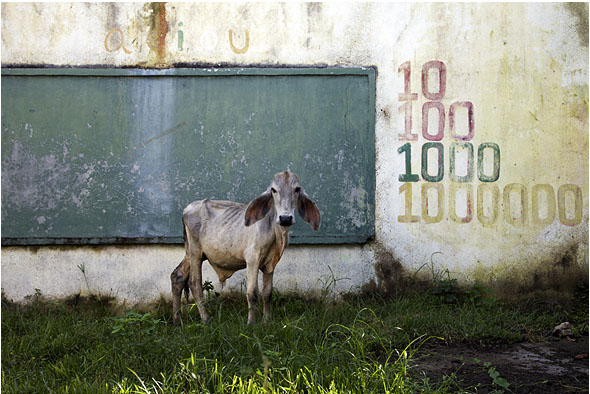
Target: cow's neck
x,y
280,233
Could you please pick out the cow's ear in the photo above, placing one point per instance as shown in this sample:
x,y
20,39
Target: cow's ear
x,y
258,208
308,210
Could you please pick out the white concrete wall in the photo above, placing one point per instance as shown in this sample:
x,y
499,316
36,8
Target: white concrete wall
x,y
142,273
523,68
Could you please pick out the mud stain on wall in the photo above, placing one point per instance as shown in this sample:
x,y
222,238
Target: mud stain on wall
x,y
392,277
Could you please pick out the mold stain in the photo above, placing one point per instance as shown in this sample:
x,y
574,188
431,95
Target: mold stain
x,y
580,11
313,11
112,12
558,275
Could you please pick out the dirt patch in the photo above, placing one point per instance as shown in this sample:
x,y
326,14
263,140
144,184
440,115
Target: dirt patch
x,y
554,366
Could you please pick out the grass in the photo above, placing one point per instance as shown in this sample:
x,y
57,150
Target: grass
x,y
357,344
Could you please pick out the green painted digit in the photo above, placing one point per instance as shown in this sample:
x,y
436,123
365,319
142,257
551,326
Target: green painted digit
x,y
441,166
408,176
469,176
496,173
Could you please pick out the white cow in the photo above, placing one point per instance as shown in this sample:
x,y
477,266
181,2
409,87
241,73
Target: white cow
x,y
233,236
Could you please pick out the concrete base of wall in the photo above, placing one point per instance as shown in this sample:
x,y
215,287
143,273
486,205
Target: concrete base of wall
x,y
135,274
141,274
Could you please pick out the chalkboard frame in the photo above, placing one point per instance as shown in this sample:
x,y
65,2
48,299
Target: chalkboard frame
x,y
368,72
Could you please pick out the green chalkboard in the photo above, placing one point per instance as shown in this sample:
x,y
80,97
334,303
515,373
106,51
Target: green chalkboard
x,y
94,156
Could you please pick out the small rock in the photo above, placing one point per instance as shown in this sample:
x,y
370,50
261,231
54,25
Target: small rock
x,y
563,330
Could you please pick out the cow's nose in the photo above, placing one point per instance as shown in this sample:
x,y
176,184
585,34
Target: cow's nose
x,y
286,220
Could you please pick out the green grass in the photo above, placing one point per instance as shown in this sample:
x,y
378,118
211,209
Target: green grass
x,y
358,344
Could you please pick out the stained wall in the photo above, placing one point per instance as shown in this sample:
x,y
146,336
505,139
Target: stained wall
x,y
481,133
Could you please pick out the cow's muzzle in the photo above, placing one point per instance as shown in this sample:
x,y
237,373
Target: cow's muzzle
x,y
286,220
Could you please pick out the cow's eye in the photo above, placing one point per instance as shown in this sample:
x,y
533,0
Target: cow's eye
x,y
297,189
272,189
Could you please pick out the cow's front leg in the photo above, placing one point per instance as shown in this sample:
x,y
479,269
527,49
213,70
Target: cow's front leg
x,y
252,285
266,294
196,285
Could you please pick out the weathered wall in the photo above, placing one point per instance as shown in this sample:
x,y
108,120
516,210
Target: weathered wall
x,y
517,215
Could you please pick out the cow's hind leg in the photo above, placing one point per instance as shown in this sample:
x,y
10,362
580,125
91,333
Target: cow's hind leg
x,y
195,283
179,279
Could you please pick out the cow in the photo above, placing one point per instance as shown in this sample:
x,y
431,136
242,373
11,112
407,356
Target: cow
x,y
233,236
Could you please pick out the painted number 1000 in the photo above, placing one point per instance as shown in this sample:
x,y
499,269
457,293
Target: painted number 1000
x,y
426,173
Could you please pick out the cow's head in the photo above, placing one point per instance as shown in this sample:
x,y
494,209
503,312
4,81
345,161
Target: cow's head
x,y
284,195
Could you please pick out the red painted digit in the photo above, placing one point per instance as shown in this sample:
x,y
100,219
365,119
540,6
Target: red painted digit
x,y
407,135
442,79
470,120
441,120
406,68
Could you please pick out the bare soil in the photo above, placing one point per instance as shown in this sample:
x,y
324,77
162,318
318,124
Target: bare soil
x,y
553,366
